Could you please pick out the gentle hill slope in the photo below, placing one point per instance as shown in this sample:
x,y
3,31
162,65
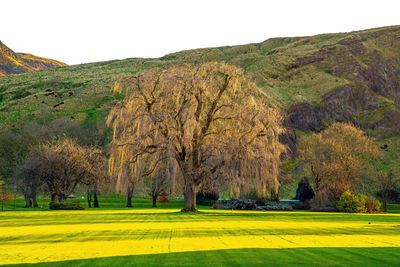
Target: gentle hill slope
x,y
14,63
319,79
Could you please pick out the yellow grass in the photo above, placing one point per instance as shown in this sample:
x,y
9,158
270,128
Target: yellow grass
x,y
63,241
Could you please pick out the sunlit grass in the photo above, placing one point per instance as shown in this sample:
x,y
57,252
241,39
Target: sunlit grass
x,y
47,236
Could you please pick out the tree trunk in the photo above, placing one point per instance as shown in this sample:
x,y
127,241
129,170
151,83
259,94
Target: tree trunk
x,y
384,204
53,197
95,200
190,196
89,198
129,194
34,201
275,193
28,202
154,201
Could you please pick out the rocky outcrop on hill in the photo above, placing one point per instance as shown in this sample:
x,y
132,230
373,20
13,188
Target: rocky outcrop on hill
x,y
14,63
371,99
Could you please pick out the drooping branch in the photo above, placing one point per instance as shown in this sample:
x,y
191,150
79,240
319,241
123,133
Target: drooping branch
x,y
209,118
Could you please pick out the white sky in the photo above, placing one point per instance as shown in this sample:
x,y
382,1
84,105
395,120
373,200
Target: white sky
x,y
81,31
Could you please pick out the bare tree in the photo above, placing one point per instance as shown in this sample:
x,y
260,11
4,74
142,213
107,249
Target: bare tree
x,y
126,176
158,181
62,164
206,118
27,181
95,173
387,183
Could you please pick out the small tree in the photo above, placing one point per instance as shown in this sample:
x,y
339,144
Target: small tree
x,y
5,196
304,191
62,164
95,173
387,184
28,181
158,183
126,176
337,159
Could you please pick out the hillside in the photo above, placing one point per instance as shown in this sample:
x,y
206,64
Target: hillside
x,y
319,79
14,63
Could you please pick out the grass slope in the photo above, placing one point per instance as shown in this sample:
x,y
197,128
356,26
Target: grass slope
x,y
84,90
164,236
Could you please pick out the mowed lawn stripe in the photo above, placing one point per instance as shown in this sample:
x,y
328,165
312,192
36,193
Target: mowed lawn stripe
x,y
94,234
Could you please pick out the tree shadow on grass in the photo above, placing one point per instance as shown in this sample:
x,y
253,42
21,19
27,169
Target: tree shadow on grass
x,y
340,256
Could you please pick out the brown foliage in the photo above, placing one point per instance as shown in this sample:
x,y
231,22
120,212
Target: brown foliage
x,y
163,198
62,164
209,118
5,196
336,159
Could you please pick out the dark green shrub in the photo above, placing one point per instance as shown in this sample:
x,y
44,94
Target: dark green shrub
x,y
206,202
351,203
304,190
66,206
260,201
206,199
250,204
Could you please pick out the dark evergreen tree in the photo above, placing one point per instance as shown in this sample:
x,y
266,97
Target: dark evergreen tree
x,y
304,191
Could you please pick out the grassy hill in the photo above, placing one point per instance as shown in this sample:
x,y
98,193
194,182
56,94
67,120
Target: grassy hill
x,y
319,79
290,70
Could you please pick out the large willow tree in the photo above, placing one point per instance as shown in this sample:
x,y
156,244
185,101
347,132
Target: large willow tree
x,y
209,119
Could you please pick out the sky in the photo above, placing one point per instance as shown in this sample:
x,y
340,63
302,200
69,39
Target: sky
x,y
83,31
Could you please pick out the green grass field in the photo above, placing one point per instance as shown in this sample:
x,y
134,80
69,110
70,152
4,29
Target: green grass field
x,y
163,236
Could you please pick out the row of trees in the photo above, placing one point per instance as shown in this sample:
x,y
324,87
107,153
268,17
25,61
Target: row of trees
x,y
57,167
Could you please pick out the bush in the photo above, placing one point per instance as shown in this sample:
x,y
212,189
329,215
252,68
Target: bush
x,y
163,197
261,201
372,205
250,204
66,206
206,199
351,203
302,205
304,191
